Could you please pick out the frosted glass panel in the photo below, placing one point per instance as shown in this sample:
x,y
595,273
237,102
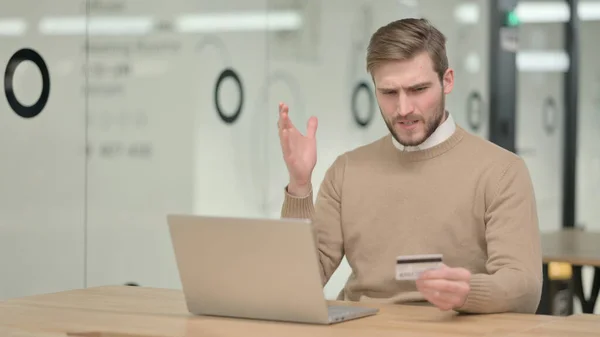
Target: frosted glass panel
x,y
465,25
166,135
539,115
588,160
42,186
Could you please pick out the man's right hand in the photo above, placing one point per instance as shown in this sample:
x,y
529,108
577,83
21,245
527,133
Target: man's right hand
x,y
299,151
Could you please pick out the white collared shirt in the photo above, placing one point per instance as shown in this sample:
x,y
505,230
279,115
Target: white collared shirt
x,y
443,132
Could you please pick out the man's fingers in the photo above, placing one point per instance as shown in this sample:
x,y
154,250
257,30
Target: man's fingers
x,y
442,301
446,286
282,115
311,128
458,274
284,119
444,294
283,108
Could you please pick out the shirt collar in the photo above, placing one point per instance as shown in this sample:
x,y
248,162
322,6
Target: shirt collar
x,y
443,132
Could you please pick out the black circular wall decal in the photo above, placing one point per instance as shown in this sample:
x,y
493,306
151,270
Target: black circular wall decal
x,y
549,115
474,110
225,74
362,86
22,55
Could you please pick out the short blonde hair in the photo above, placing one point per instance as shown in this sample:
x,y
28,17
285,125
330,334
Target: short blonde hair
x,y
404,39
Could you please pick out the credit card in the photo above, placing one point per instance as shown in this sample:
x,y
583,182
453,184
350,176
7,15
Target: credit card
x,y
410,267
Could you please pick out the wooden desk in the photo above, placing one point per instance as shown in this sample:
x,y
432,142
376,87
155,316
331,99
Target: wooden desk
x,y
132,311
579,248
13,332
572,326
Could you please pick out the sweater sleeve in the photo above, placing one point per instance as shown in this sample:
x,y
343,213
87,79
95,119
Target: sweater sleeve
x,y
325,215
513,281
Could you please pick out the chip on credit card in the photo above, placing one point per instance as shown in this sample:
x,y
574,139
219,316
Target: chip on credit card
x,y
410,267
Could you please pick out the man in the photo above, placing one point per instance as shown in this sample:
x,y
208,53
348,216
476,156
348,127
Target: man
x,y
428,187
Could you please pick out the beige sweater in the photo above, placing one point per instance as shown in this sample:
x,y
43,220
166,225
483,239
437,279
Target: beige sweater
x,y
466,198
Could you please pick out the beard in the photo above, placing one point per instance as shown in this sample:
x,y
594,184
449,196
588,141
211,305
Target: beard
x,y
430,125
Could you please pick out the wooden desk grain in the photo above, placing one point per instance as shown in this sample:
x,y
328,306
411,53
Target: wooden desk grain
x,y
575,246
147,312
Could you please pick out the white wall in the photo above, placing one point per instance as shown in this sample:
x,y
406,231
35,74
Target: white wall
x,y
156,145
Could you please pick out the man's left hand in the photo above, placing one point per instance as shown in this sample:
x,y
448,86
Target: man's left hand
x,y
446,288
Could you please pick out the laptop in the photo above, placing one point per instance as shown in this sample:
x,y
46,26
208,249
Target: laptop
x,y
265,269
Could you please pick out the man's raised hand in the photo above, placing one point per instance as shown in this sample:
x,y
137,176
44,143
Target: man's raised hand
x,y
299,151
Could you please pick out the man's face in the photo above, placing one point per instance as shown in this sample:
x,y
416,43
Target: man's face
x,y
411,97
